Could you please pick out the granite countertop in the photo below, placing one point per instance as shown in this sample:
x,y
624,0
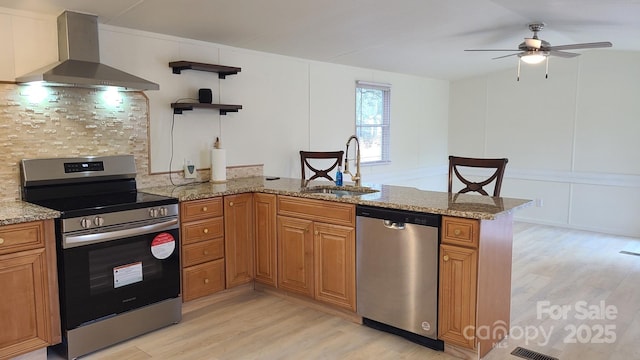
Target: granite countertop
x,y
13,212
388,196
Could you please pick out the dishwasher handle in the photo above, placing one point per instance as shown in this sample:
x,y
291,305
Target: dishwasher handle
x,y
393,225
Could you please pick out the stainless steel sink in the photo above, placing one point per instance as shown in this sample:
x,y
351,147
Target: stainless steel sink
x,y
339,191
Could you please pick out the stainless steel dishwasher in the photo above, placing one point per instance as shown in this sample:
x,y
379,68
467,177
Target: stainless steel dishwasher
x,y
397,272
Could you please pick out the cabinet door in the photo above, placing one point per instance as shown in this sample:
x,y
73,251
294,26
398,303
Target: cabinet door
x,y
457,304
201,230
22,236
200,252
204,279
461,232
24,313
200,209
265,238
335,270
238,241
295,255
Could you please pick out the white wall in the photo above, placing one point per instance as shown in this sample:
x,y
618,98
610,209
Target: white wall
x,y
571,140
289,104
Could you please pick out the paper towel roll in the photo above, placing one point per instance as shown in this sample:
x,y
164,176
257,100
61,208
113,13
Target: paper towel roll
x,y
218,165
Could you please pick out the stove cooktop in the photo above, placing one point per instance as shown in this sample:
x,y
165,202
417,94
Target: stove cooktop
x,y
88,185
104,203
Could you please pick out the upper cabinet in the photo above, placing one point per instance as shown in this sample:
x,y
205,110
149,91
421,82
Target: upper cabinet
x,y
222,70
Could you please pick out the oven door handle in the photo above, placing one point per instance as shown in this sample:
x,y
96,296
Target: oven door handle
x,y
81,240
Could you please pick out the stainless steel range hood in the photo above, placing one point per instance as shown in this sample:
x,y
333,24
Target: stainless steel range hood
x,y
79,54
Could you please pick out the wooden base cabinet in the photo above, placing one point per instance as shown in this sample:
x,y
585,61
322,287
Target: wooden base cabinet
x,y
238,239
295,255
475,284
458,274
335,269
265,234
29,308
316,250
202,236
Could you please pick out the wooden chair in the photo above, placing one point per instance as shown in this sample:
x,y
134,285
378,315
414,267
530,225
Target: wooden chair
x,y
498,164
323,172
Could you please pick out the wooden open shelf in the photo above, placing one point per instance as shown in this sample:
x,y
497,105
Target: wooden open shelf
x,y
178,108
222,70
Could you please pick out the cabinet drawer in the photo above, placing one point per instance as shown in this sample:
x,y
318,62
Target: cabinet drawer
x,y
24,236
203,251
203,279
200,209
319,210
201,230
459,231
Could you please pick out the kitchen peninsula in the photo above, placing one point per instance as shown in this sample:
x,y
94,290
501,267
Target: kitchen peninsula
x,y
394,197
232,234
291,240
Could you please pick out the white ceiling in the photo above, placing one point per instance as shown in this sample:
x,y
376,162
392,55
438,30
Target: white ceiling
x,y
420,37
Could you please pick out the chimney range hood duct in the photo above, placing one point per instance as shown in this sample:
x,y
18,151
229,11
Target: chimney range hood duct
x,y
79,55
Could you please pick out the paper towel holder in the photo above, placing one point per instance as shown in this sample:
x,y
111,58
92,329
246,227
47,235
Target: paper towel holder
x,y
218,163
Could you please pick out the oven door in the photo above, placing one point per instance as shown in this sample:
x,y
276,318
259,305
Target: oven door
x,y
107,278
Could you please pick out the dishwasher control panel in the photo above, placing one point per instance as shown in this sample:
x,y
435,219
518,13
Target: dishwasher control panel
x,y
404,216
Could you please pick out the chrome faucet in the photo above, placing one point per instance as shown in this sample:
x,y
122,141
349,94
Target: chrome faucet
x,y
356,178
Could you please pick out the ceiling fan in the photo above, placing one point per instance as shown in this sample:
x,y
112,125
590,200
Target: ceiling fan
x,y
534,50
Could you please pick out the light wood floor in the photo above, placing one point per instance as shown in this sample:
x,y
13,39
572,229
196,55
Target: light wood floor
x,y
559,266
574,268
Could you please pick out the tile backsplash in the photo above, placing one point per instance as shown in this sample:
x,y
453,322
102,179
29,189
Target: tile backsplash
x,y
68,121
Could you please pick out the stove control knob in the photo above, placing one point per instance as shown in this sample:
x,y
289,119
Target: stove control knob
x,y
98,221
164,211
85,223
153,213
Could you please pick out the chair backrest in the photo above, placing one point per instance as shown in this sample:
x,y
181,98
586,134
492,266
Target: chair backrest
x,y
498,164
327,166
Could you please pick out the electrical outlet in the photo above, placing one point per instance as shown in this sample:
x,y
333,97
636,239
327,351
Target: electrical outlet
x,y
189,169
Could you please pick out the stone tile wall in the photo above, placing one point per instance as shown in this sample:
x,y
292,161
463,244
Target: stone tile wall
x,y
69,122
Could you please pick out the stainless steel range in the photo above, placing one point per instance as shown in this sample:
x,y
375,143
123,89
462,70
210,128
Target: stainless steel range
x,y
117,248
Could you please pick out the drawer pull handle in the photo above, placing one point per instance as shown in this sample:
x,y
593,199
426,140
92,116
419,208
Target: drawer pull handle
x,y
206,281
317,232
204,208
1,241
205,252
446,258
205,230
457,232
230,203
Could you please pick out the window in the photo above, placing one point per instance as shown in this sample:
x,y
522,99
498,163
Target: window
x,y
373,113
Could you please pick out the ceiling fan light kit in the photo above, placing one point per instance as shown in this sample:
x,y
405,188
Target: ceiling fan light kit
x,y
533,57
534,50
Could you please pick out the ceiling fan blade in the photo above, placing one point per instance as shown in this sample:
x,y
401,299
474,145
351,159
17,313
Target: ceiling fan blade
x,y
602,44
562,54
504,56
493,50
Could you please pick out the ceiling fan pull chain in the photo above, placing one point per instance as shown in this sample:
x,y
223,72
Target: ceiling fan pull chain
x,y
546,72
518,78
